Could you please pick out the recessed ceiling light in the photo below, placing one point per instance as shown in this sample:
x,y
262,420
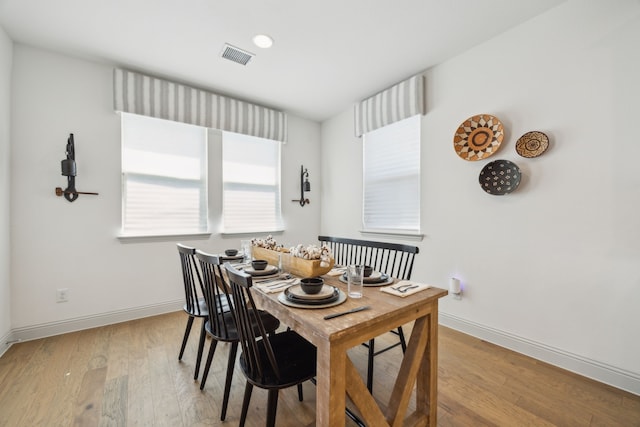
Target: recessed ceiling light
x,y
263,41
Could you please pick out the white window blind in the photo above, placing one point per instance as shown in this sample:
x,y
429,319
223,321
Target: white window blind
x,y
391,199
164,177
251,184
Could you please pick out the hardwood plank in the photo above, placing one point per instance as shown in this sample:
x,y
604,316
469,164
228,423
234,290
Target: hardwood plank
x,y
89,401
115,402
493,408
166,409
13,361
63,405
49,381
39,378
196,408
118,351
453,413
140,408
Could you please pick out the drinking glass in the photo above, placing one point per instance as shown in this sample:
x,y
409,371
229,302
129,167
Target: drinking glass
x,y
245,245
355,282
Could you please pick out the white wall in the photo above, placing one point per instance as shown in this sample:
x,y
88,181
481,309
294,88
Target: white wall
x,y
6,54
552,269
57,244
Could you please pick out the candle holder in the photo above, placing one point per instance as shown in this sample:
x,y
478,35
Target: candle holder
x,y
69,170
305,186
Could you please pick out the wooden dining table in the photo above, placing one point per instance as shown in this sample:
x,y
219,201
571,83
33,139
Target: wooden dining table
x,y
337,376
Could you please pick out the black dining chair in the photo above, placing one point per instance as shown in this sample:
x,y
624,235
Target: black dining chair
x,y
195,305
394,259
221,324
272,362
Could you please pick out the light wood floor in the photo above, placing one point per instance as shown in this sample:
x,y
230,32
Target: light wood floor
x,y
128,375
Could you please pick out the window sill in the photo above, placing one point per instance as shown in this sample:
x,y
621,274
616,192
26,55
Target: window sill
x,y
250,233
413,236
133,238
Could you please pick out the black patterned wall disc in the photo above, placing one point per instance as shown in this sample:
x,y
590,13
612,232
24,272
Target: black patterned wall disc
x,y
500,177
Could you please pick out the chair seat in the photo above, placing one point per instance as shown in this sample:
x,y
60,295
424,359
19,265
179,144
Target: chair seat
x,y
202,304
223,305
230,332
296,358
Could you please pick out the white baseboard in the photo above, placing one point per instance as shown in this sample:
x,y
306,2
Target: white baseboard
x,y
93,321
5,342
602,372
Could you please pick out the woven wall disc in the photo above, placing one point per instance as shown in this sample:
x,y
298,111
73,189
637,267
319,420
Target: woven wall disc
x,y
532,144
478,137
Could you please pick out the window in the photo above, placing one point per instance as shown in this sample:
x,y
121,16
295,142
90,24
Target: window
x,y
251,184
391,167
164,177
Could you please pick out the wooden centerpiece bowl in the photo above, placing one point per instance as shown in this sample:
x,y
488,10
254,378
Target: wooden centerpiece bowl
x,y
297,266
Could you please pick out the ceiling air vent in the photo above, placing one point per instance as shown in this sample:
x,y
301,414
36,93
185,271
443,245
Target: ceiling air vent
x,y
234,54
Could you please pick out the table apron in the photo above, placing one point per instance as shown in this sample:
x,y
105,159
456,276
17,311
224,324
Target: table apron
x,y
380,326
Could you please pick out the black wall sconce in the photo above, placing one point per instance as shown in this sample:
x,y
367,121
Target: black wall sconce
x,y
305,185
68,166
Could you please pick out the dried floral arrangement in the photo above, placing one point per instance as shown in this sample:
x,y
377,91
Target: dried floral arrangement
x,y
322,253
268,243
310,252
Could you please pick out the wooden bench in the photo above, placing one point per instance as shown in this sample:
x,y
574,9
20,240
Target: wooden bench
x,y
394,259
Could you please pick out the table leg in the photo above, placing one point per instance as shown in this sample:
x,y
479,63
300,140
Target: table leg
x,y
330,382
359,393
427,387
411,374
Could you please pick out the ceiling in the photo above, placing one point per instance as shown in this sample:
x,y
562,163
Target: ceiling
x,y
327,54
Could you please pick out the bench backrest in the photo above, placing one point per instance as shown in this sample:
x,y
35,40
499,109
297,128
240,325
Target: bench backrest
x,y
394,259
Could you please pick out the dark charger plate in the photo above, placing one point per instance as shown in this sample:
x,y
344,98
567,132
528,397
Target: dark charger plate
x,y
384,279
312,301
342,297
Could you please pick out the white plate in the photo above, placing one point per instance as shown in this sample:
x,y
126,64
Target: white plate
x,y
270,269
325,292
374,276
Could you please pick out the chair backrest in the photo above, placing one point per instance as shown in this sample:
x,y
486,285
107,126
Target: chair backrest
x,y
193,289
253,336
394,259
216,295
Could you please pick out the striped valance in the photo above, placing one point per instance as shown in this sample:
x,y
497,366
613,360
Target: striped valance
x,y
403,100
150,96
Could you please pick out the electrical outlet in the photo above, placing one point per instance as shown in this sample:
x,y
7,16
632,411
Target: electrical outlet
x,y
62,295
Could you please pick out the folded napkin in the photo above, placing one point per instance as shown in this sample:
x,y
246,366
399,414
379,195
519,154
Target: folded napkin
x,y
409,287
336,271
276,285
